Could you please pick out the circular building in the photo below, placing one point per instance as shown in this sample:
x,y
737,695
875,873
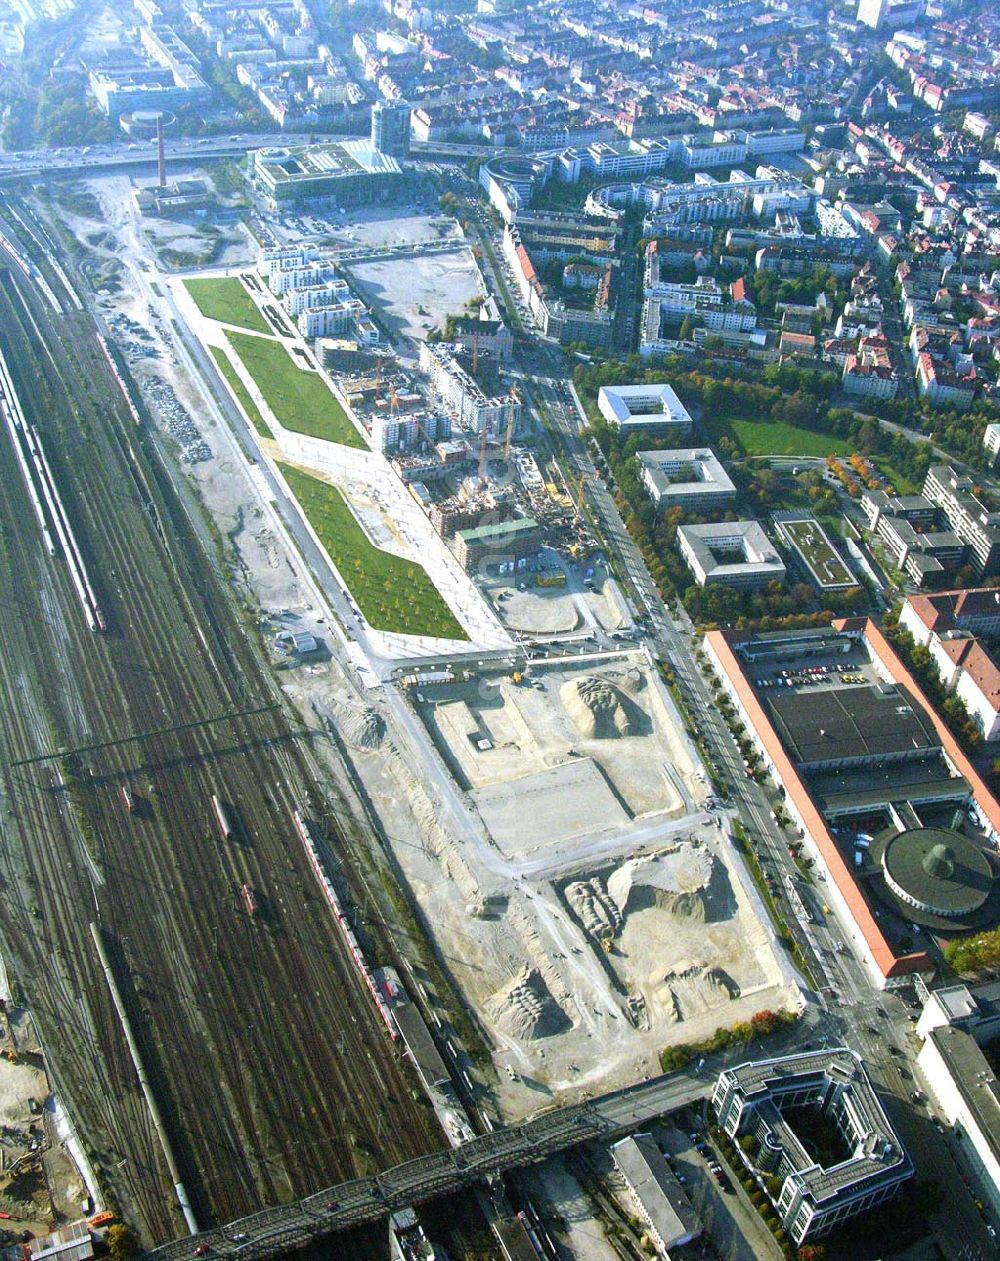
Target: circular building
x,y
141,123
937,877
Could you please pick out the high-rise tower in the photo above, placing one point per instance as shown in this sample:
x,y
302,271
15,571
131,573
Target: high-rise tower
x,y
391,128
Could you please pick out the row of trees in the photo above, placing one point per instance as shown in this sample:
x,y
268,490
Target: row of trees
x,y
762,1024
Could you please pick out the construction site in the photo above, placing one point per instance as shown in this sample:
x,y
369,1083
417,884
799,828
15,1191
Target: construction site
x,y
576,882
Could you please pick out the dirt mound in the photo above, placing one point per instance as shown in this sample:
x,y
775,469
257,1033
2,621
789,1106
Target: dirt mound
x,y
597,707
693,989
365,729
524,1009
676,882
633,681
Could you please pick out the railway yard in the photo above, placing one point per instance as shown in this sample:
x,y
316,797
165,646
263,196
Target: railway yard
x,y
526,834
273,1071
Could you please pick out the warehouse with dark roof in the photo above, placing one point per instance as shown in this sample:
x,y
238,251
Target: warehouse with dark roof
x,y
889,806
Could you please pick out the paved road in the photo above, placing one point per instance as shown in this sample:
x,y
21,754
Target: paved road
x,y
278,1230
869,1021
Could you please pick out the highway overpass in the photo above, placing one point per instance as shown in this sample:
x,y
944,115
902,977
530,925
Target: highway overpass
x,y
35,164
274,1231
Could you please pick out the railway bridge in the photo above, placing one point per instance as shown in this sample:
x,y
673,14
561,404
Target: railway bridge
x,y
276,1231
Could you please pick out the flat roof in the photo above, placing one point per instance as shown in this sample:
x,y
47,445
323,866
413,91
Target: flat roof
x,y
335,159
883,651
831,724
972,1076
415,1034
759,556
499,530
652,1182
687,472
653,404
876,1148
807,538
940,868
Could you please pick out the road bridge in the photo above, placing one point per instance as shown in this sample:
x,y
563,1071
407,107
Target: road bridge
x,y
275,1231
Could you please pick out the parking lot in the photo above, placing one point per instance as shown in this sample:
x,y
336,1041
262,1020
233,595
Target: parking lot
x,y
734,1225
811,676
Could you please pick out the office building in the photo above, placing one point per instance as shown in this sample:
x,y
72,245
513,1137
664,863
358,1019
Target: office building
x,y
730,554
975,523
692,479
815,1125
350,172
653,410
391,128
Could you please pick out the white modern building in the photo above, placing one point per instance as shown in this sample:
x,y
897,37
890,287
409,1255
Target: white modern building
x,y
653,410
731,554
692,478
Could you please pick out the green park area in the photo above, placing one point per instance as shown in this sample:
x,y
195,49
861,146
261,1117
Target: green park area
x,y
393,594
224,298
251,409
300,399
774,437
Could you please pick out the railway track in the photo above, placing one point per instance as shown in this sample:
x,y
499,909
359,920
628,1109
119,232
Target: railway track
x,y
272,1069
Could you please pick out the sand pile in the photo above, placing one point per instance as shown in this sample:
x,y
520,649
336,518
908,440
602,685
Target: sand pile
x,y
597,707
692,989
595,910
676,882
364,729
525,1009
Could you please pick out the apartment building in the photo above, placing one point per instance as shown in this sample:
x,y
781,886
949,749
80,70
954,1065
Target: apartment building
x,y
975,523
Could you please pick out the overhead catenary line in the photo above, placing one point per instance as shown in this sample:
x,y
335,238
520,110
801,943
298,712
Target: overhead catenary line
x,y
143,735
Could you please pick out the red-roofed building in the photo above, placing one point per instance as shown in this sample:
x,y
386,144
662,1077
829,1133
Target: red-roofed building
x,y
807,759
947,625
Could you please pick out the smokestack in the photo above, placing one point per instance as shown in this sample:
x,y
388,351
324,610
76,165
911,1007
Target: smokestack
x,y
161,162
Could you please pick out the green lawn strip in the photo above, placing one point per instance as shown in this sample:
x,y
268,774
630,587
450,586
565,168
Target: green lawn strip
x,y
240,390
901,482
774,437
301,400
394,594
224,298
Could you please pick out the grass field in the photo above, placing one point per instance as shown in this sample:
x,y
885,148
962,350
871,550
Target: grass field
x,y
301,400
240,390
225,299
774,437
903,485
393,594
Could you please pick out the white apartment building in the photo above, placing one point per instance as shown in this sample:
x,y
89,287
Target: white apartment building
x,y
455,390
